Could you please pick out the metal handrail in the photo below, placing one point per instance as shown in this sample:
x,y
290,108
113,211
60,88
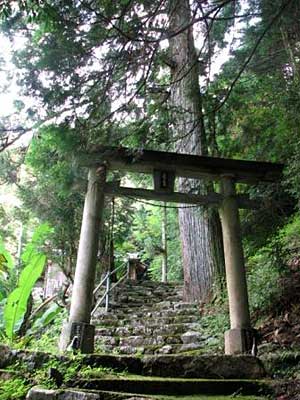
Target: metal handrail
x,y
105,277
109,288
100,284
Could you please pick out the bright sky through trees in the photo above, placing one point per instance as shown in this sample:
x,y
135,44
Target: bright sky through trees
x,y
11,89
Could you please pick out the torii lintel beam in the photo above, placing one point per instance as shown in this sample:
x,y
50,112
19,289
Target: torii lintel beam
x,y
184,165
211,199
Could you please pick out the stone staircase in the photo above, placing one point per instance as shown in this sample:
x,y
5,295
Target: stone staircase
x,y
148,318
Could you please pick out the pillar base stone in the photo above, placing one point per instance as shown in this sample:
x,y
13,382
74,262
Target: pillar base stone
x,y
80,335
240,341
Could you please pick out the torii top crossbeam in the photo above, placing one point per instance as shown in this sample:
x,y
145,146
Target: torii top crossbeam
x,y
184,165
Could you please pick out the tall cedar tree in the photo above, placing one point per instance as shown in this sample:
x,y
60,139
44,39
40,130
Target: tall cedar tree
x,y
199,229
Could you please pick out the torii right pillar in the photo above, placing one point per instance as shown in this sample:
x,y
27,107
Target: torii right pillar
x,y
239,339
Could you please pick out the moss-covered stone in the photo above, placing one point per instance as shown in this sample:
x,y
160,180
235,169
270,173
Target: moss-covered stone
x,y
204,366
176,387
40,394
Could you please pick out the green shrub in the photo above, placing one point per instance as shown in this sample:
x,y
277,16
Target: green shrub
x,y
13,389
48,340
263,278
289,236
272,262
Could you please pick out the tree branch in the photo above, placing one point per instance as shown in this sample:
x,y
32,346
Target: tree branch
x,y
249,58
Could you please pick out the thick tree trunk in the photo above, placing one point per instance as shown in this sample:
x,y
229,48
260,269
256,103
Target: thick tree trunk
x,y
164,243
199,227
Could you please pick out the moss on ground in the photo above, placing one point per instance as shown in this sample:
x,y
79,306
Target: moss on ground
x,y
209,397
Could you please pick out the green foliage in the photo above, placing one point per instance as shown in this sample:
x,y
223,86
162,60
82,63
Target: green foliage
x,y
69,369
13,389
289,235
146,239
16,304
263,280
6,261
46,318
45,333
272,262
213,326
292,172
34,261
35,246
58,193
41,376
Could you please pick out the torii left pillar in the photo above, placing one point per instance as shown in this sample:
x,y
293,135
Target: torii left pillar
x,y
78,329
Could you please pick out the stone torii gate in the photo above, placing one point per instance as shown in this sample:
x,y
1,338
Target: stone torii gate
x,y
165,166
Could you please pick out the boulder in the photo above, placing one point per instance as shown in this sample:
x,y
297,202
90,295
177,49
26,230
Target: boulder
x,y
37,393
123,331
134,341
191,337
167,349
190,347
204,366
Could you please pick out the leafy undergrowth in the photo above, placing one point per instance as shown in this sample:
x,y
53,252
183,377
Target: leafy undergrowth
x,y
282,325
275,312
279,332
13,389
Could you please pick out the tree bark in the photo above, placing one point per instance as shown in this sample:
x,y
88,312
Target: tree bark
x,y
200,228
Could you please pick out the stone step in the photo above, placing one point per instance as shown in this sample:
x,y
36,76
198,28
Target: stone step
x,y
148,331
145,312
157,291
155,288
178,308
40,393
172,387
181,366
148,317
138,291
137,301
177,366
142,340
154,291
156,294
151,349
125,299
149,322
152,284
147,292
138,341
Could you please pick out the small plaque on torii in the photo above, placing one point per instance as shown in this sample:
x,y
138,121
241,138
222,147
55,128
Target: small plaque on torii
x,y
164,181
